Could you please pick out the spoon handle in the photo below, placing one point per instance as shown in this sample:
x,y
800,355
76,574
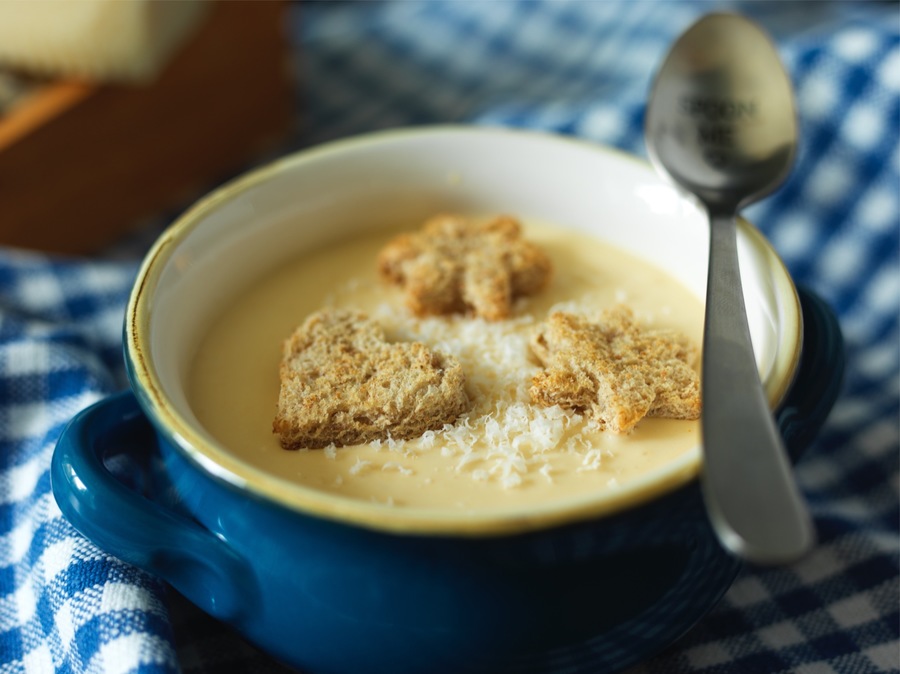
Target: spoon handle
x,y
753,501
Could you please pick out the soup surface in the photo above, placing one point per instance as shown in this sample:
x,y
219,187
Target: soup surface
x,y
505,452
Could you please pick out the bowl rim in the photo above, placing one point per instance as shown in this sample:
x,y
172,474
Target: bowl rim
x,y
227,469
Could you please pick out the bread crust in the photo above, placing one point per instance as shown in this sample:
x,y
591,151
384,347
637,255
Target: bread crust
x,y
342,383
456,265
614,370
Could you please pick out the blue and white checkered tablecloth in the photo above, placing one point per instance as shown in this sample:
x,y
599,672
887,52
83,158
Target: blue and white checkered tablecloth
x,y
578,68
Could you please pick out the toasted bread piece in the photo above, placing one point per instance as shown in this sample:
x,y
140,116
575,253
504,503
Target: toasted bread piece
x,y
614,370
454,265
342,383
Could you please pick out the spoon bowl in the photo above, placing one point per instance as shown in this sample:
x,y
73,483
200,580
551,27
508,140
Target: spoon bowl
x,y
721,124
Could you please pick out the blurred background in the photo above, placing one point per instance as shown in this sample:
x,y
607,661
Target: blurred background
x,y
116,113
113,112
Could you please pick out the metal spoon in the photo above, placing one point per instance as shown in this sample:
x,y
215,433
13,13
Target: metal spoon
x,y
721,124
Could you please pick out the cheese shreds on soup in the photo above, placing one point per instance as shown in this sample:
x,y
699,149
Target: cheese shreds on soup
x,y
505,452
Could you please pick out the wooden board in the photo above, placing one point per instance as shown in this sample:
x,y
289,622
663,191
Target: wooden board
x,y
80,163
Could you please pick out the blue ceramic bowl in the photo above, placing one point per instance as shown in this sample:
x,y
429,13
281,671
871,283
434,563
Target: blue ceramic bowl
x,y
331,584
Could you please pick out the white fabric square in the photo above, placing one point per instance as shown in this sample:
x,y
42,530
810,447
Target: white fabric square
x,y
708,655
747,591
829,183
795,236
41,291
818,95
39,660
56,558
853,611
864,126
603,124
818,566
855,45
889,71
65,622
880,209
886,657
843,260
781,635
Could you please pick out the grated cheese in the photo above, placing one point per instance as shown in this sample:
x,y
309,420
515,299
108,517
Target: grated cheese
x,y
546,469
359,466
502,437
399,467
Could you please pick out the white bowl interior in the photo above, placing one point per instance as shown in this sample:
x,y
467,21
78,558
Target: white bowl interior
x,y
234,236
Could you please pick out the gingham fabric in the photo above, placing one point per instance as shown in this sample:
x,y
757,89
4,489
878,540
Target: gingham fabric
x,y
577,68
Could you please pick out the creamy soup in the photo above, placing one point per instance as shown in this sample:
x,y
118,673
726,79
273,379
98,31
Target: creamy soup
x,y
505,452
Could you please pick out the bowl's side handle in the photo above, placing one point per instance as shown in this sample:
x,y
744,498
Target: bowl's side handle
x,y
819,378
200,565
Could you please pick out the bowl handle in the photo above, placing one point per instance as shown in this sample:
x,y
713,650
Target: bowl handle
x,y
119,520
819,377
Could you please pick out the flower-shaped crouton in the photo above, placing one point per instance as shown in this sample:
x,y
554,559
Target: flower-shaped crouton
x,y
615,371
342,383
454,265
